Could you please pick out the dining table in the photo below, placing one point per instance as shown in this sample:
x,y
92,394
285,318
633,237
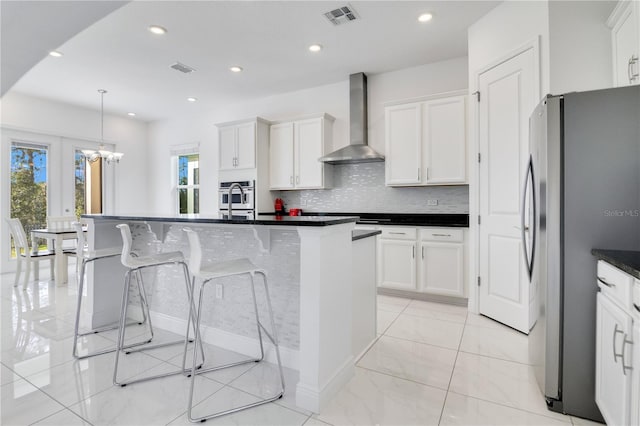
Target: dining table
x,y
57,237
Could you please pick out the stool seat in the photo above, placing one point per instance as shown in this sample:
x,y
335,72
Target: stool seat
x,y
227,268
154,260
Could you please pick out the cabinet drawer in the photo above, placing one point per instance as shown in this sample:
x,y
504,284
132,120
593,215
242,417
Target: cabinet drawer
x,y
399,233
442,234
615,283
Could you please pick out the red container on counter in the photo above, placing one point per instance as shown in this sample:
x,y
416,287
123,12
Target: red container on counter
x,y
295,212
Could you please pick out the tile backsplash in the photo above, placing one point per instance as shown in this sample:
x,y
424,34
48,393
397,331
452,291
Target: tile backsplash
x,y
361,188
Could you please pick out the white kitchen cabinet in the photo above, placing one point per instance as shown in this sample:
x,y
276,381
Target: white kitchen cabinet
x,y
635,382
625,43
294,150
237,146
281,156
441,268
613,355
403,144
426,260
444,141
426,142
397,264
616,347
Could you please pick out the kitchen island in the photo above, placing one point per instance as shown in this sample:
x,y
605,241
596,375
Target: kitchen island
x,y
309,264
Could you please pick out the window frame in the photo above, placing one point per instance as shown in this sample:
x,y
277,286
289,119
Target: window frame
x,y
176,178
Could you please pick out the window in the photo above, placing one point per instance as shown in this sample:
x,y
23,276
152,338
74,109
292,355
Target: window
x,y
87,184
29,185
188,183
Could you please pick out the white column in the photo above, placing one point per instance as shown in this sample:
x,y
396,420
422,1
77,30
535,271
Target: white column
x,y
326,361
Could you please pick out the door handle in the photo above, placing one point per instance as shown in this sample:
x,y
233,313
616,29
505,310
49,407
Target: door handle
x,y
632,61
529,179
423,252
297,179
625,342
398,233
441,235
604,282
413,252
615,333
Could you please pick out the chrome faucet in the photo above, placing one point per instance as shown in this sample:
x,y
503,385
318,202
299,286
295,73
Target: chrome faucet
x,y
234,185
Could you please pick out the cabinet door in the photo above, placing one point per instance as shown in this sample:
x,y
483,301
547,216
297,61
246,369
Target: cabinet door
x,y
624,37
397,264
635,391
281,156
227,140
246,146
403,142
441,268
308,147
613,381
444,141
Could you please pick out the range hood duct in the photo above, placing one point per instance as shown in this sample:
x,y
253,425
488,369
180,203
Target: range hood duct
x,y
358,151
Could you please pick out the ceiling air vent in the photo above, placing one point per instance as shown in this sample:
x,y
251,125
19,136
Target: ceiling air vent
x,y
182,68
342,15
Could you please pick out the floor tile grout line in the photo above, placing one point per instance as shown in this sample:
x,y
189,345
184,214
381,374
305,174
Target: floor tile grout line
x,y
417,341
402,378
493,357
431,318
455,362
515,408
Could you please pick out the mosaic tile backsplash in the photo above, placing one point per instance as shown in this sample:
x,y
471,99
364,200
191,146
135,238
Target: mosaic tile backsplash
x,y
361,188
235,312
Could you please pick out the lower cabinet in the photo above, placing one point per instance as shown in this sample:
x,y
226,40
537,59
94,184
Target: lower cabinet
x,y
613,361
397,264
441,267
427,260
617,354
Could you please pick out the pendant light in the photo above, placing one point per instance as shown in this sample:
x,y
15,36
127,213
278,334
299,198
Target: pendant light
x,y
108,156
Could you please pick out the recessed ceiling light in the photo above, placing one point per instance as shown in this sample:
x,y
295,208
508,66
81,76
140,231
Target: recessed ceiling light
x,y
315,48
236,68
425,17
157,29
131,114
192,99
55,54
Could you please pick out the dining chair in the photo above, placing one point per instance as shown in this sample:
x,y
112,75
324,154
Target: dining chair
x,y
25,254
70,247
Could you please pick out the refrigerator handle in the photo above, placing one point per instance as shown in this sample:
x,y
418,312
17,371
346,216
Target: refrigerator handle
x,y
528,180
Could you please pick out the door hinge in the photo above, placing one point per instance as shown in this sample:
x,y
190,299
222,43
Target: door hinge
x,y
478,281
478,219
478,157
477,93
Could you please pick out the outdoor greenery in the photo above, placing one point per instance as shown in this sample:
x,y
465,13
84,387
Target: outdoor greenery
x,y
29,186
80,167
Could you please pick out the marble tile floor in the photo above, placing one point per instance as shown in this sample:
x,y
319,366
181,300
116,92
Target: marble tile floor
x,y
432,364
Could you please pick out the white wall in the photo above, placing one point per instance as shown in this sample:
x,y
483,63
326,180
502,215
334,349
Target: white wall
x,y
59,125
580,45
332,99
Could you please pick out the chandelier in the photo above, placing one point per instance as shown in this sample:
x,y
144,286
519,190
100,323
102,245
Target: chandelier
x,y
108,156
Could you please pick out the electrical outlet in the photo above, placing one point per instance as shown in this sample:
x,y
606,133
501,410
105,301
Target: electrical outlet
x,y
219,291
432,202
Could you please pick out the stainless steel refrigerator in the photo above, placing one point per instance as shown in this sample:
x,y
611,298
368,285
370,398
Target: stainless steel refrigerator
x,y
582,192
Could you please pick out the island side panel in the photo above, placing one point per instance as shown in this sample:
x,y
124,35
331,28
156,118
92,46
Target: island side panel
x,y
326,361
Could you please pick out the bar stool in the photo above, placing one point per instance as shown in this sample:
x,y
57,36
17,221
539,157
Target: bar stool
x,y
221,270
84,256
135,265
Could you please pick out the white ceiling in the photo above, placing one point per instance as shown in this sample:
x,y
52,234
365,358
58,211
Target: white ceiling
x,y
268,39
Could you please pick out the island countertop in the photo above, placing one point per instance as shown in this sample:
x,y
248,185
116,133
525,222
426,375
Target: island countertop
x,y
259,219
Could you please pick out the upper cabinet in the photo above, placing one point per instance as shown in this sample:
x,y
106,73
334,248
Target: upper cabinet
x,y
625,39
294,150
237,145
426,142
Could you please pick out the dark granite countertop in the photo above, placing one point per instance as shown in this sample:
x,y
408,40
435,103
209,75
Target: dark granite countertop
x,y
259,220
453,220
626,260
358,234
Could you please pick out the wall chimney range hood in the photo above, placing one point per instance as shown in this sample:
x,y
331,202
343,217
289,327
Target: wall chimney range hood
x,y
358,151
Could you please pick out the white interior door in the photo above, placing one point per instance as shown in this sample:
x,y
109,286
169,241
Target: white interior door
x,y
508,95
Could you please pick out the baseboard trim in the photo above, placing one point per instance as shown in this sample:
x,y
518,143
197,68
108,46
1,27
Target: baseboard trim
x,y
235,342
315,399
450,300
